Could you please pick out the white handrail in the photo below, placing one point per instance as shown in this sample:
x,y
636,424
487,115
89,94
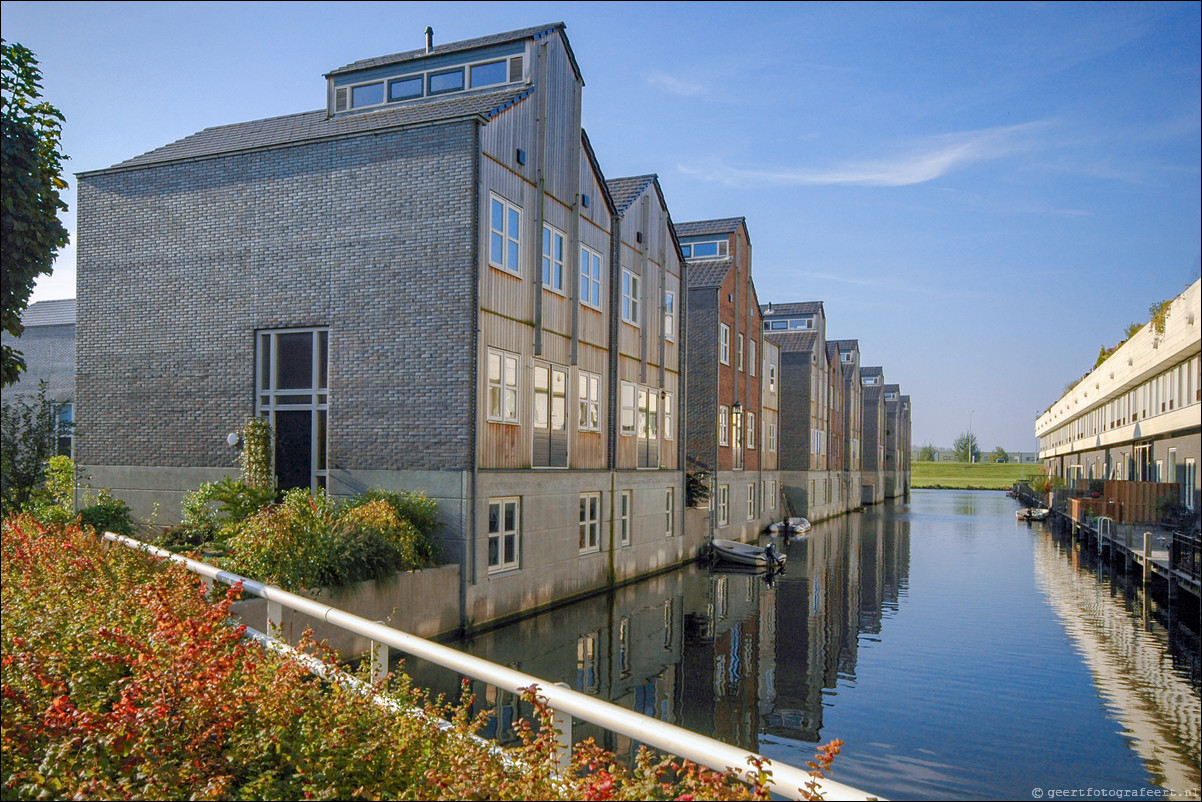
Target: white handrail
x,y
788,781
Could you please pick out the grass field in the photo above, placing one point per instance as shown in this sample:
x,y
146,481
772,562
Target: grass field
x,y
961,475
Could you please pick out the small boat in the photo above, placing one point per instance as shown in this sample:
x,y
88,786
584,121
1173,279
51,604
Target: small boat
x,y
745,553
790,526
1032,514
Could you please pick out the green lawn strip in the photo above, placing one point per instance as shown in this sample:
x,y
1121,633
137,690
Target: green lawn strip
x,y
965,476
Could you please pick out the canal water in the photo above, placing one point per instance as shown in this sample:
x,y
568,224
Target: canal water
x,y
957,653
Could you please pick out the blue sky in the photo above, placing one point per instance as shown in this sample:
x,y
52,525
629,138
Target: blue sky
x,y
982,194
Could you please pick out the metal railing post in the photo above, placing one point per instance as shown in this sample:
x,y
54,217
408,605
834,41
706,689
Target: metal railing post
x,y
379,660
275,619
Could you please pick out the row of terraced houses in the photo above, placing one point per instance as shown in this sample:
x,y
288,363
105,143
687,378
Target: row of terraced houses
x,y
431,284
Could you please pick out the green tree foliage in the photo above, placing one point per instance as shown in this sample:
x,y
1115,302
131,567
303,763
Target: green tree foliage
x,y
28,438
1000,455
928,454
32,178
966,448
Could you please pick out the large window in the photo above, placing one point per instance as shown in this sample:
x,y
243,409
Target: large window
x,y
631,293
552,258
706,249
736,437
772,377
670,315
723,505
629,408
590,522
590,277
751,356
739,355
503,386
669,416
751,430
505,235
724,343
723,425
293,370
669,512
751,501
589,418
550,437
504,541
771,436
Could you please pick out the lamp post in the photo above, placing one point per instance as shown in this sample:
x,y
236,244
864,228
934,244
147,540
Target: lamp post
x,y
969,443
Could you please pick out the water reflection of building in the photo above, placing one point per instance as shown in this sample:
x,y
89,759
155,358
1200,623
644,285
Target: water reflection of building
x,y
1157,707
840,581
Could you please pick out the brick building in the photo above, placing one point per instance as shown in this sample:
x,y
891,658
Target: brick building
x,y
426,284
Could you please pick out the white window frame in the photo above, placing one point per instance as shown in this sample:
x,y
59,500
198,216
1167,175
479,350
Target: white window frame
x,y
554,258
771,437
751,431
629,401
723,425
772,377
722,250
503,385
590,523
632,288
739,356
669,417
424,76
625,516
590,278
502,533
751,516
670,316
588,415
772,494
511,244
751,356
724,343
669,512
723,505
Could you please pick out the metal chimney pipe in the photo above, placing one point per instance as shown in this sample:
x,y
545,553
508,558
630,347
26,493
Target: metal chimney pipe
x,y
429,39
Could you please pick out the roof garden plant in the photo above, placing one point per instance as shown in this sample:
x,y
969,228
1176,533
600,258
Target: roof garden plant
x,y
123,680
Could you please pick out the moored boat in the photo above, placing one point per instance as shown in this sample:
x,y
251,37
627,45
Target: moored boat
x,y
1032,513
745,553
790,526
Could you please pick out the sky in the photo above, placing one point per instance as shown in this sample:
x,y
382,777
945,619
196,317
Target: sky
x,y
982,194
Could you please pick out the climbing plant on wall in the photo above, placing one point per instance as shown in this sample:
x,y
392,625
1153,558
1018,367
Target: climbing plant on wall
x,y
257,452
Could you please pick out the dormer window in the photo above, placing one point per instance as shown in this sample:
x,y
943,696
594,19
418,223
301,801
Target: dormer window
x,y
706,249
427,83
783,324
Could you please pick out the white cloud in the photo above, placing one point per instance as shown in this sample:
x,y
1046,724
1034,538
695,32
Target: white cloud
x,y
924,161
674,85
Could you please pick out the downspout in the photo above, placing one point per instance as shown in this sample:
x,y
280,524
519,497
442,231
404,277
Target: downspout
x,y
540,158
468,574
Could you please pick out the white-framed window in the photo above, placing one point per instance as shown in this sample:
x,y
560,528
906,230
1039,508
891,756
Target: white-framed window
x,y
669,417
553,257
629,409
724,343
772,377
293,395
751,501
505,235
503,386
588,678
771,494
706,249
590,277
723,505
625,516
631,293
723,425
739,355
504,533
670,315
670,512
429,82
751,356
590,522
589,418
751,430
771,437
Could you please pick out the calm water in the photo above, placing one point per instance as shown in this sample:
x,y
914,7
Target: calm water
x,y
956,652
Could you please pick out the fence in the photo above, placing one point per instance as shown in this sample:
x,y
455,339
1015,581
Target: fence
x,y
788,781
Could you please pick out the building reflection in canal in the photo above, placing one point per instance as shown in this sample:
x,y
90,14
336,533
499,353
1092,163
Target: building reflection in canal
x,y
727,654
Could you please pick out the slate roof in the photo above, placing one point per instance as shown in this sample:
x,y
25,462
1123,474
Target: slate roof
x,y
697,228
796,341
874,370
708,274
536,32
50,313
847,345
873,392
626,191
807,308
893,388
317,125
832,349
